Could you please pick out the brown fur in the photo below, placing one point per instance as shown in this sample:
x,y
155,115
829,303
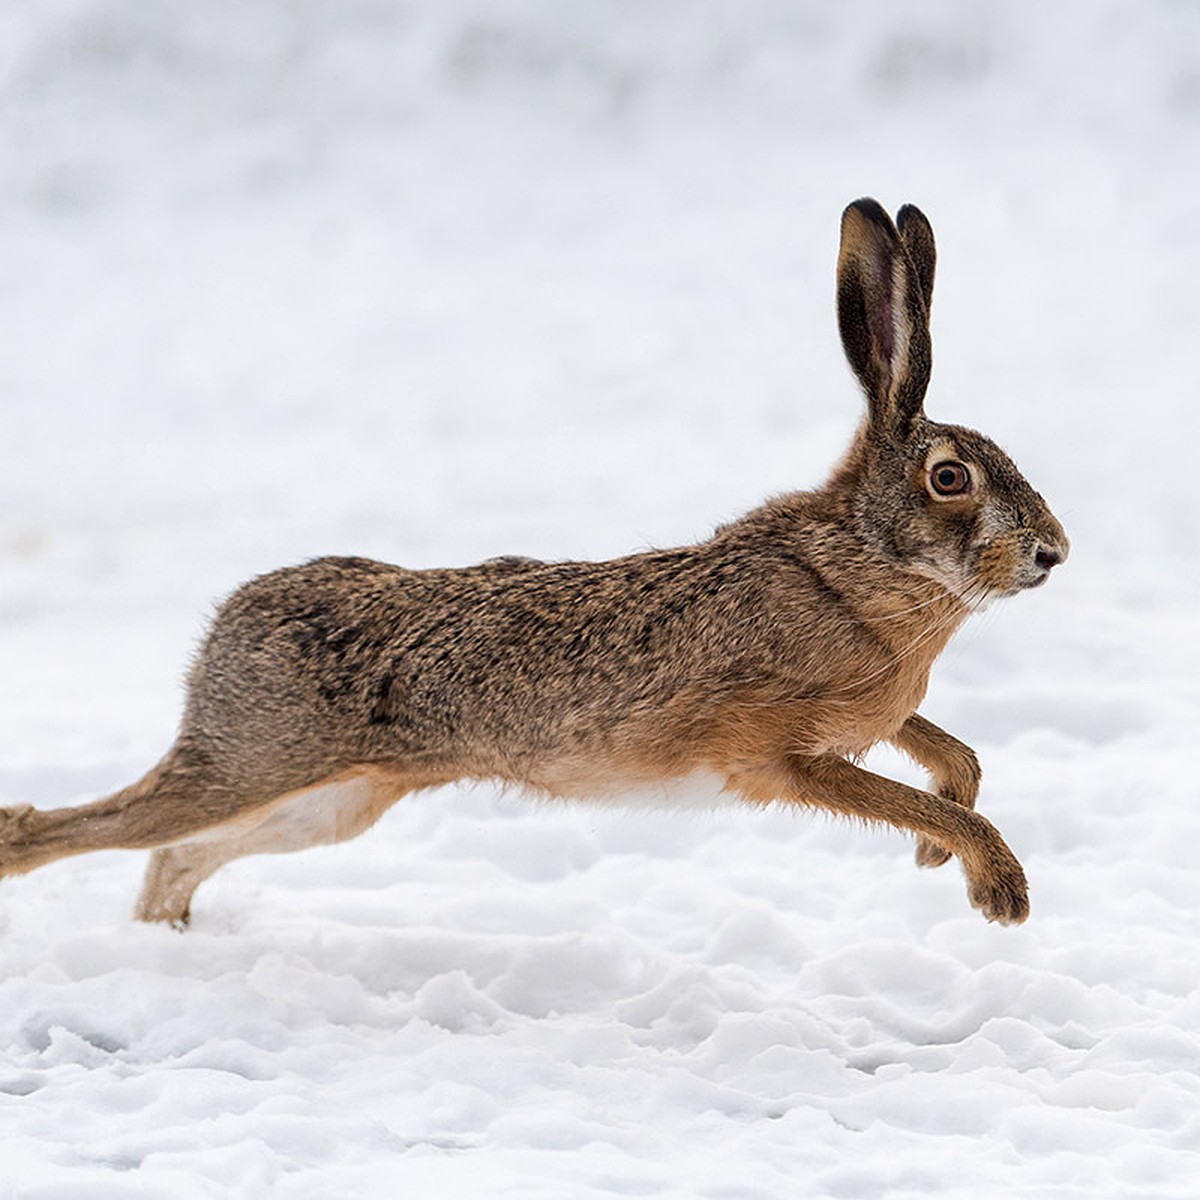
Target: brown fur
x,y
772,654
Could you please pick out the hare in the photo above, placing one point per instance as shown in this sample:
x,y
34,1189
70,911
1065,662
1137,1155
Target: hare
x,y
774,654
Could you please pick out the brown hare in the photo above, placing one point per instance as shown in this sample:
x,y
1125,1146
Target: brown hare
x,y
773,654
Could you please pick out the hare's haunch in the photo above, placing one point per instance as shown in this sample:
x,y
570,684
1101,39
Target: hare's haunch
x,y
772,654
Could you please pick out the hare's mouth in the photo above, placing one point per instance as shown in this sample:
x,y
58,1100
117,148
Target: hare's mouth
x,y
1045,559
1017,561
1014,587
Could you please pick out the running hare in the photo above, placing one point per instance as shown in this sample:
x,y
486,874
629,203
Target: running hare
x,y
772,654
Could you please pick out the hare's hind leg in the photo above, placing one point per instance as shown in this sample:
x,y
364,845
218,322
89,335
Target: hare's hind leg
x,y
187,794
321,815
953,770
181,795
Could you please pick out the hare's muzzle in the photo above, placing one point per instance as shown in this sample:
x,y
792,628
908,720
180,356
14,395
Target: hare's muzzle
x,y
1020,559
1047,556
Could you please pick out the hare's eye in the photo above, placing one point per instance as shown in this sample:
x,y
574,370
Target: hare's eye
x,y
949,478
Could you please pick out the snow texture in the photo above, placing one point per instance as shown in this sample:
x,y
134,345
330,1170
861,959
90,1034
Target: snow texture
x,y
444,279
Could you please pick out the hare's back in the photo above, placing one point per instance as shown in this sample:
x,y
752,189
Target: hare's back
x,y
508,657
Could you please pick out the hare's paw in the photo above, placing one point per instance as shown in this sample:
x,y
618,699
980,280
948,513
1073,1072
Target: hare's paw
x,y
930,854
164,910
15,824
1001,894
166,896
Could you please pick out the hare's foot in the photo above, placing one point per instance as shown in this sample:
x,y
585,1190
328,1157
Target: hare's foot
x,y
173,874
930,854
1000,892
18,827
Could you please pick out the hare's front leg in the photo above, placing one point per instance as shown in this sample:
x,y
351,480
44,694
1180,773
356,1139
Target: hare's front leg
x,y
953,771
995,880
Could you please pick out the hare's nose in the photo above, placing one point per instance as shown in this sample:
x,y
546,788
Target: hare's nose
x,y
1047,557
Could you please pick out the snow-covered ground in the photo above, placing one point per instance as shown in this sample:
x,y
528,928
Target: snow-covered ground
x,y
439,280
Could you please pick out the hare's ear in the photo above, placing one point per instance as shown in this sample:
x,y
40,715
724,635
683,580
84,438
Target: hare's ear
x,y
917,235
885,281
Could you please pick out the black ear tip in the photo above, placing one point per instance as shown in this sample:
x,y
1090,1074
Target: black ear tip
x,y
870,210
910,214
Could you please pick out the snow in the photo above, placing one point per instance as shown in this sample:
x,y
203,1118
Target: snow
x,y
439,281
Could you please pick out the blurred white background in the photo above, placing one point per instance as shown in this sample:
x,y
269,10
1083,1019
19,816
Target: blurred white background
x,y
439,279
436,281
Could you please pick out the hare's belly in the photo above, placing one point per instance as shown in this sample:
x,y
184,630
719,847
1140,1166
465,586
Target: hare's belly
x,y
700,789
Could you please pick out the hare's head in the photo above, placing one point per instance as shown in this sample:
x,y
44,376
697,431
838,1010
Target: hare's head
x,y
940,500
